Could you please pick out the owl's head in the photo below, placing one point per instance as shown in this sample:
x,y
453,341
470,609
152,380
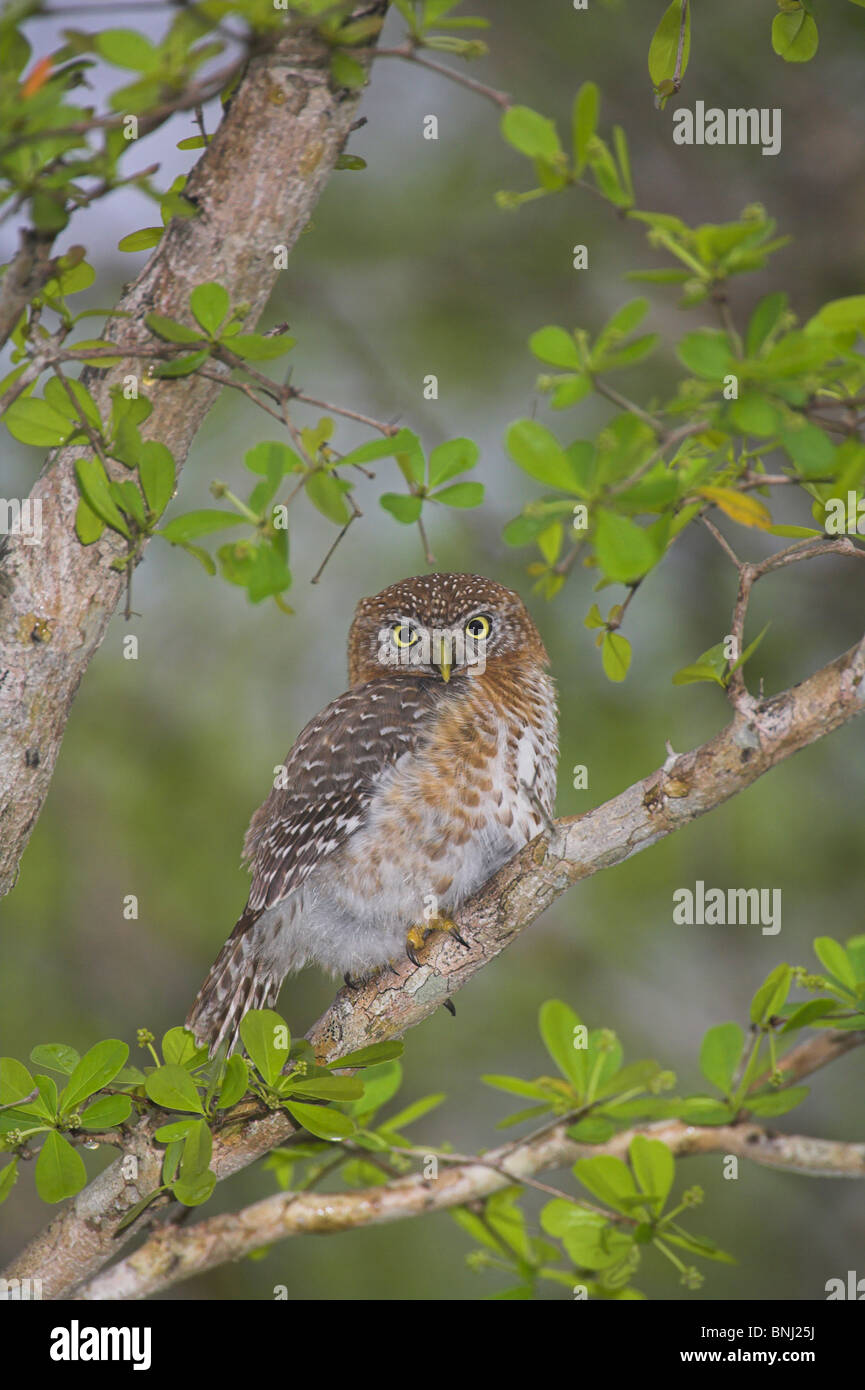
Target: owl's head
x,y
440,625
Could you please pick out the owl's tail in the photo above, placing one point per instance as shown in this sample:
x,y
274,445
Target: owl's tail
x,y
235,984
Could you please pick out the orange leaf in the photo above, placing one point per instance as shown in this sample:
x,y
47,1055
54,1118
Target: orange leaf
x,y
38,77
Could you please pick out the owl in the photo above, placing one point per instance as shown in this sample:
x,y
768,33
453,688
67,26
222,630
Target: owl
x,y
400,799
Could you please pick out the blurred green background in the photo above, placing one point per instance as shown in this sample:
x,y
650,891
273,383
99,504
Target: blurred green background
x,y
407,269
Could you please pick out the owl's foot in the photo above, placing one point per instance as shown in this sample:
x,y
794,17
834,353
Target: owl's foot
x,y
417,935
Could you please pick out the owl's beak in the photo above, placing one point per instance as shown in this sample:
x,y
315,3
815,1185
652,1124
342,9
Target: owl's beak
x,y
445,668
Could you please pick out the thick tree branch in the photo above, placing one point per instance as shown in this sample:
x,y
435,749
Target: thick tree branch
x,y
82,1238
254,187
25,276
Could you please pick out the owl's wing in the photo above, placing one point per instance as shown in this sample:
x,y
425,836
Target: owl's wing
x,y
330,776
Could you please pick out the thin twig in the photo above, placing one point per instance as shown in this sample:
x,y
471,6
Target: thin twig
x,y
410,55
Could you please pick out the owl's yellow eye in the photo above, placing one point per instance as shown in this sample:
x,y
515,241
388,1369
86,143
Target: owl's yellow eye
x,y
405,635
479,627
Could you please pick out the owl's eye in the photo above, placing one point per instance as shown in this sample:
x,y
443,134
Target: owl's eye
x,y
405,635
479,627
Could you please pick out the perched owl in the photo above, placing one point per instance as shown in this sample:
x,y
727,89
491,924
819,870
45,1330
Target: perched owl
x,y
400,799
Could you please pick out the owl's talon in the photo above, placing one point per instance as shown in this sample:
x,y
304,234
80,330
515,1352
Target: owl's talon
x,y
413,942
417,935
449,1005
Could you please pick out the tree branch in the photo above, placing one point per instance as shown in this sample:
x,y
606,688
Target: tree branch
x,y
25,276
83,1238
173,1254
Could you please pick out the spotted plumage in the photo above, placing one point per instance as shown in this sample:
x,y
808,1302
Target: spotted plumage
x,y
400,799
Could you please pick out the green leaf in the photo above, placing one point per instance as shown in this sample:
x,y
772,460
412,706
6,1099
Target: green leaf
x,y
85,407
620,144
721,1053
347,72
625,551
794,36
415,1111
172,331
664,48
450,459
257,347
808,1012
836,960
106,1113
403,507
811,450
34,421
654,1168
327,495
129,500
235,1083
210,305
142,240
840,316
8,1179
404,442
772,994
197,1151
706,353
259,1031
184,528
156,471
697,1245
174,1089
321,1121
179,1049
182,366
178,1129
588,1237
556,346
380,1084
56,1056
126,48
258,568
703,1110
558,1026
370,1056
195,1191
270,456
94,487
60,1170
615,656
754,413
531,133
584,122
623,322
778,1103
460,495
515,1086
335,1088
534,449
99,1065
764,319
609,1179
16,1083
